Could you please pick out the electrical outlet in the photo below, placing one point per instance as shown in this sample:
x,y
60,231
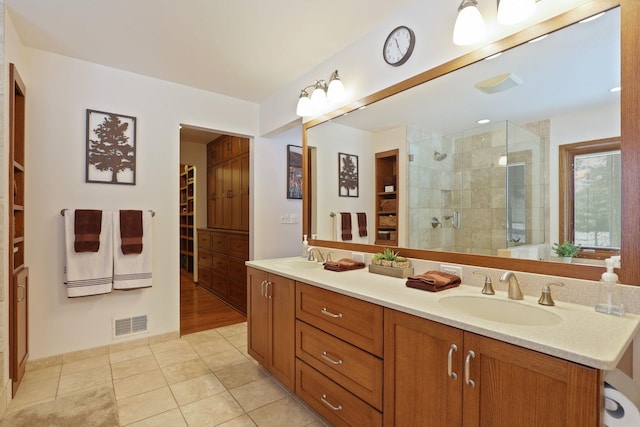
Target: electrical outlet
x,y
357,256
451,269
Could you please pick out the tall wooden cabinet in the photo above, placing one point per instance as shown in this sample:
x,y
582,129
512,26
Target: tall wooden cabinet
x,y
386,192
187,216
18,272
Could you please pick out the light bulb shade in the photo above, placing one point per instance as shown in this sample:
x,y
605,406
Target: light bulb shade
x,y
319,96
304,105
335,92
469,27
514,11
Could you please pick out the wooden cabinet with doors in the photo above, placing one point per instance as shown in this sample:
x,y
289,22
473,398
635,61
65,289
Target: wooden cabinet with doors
x,y
187,216
437,375
386,194
228,183
18,272
271,323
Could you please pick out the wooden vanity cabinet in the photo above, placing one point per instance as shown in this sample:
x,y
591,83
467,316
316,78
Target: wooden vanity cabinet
x,y
512,386
271,323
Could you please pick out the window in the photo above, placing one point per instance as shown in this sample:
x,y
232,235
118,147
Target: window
x,y
590,214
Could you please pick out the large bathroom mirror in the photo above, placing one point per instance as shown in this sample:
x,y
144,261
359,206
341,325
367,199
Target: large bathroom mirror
x,y
467,192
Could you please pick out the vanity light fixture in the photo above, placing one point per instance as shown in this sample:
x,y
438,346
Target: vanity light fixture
x,y
615,89
513,11
322,97
469,26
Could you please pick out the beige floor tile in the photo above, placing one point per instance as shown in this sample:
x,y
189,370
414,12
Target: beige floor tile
x,y
185,370
169,345
212,346
145,405
172,418
286,412
131,353
32,392
84,364
238,340
176,355
225,359
241,421
257,393
136,366
198,388
41,375
137,384
85,379
212,411
200,337
240,374
231,330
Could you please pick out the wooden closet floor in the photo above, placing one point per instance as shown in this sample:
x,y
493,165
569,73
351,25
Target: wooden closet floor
x,y
199,310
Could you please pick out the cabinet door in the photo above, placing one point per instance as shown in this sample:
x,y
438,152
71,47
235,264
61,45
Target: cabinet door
x,y
417,388
244,193
282,295
258,316
211,197
235,193
520,387
20,326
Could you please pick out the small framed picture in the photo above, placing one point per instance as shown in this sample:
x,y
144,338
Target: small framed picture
x,y
347,175
294,172
111,148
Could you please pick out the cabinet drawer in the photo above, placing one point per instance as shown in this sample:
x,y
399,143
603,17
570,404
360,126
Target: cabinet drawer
x,y
355,321
238,295
239,245
219,285
333,402
204,239
352,368
219,241
204,277
205,259
236,269
219,263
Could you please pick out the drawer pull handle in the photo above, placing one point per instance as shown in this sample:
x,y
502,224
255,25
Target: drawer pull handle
x,y
262,288
467,361
450,362
327,403
330,360
330,314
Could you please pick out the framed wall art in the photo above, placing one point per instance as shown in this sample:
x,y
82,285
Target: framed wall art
x,y
111,148
347,175
294,172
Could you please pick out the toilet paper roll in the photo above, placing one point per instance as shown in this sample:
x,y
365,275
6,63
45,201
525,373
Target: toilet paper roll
x,y
619,411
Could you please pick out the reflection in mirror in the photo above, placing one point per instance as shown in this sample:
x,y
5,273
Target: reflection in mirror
x,y
468,188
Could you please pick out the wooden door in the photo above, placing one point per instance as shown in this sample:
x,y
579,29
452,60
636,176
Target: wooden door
x,y
235,199
221,173
281,292
258,316
245,176
211,197
520,387
417,388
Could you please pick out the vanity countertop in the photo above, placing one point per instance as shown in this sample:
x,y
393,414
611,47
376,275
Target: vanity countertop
x,y
583,335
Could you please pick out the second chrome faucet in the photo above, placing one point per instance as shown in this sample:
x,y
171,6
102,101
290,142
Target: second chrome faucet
x,y
514,290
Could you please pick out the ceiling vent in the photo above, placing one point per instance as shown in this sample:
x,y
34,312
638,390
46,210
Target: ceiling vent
x,y
129,326
499,83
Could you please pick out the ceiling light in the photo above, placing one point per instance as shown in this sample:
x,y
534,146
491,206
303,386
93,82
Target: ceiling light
x,y
502,161
537,39
322,98
514,11
499,83
469,26
615,89
483,121
591,18
494,56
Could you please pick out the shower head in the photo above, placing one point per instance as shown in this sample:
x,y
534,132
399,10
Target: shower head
x,y
438,157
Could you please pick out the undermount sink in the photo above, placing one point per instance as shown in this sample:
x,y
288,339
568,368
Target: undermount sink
x,y
300,263
501,310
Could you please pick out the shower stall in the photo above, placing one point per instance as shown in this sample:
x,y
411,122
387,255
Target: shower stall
x,y
479,191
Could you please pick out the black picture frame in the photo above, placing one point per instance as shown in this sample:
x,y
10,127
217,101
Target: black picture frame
x,y
294,172
110,136
348,185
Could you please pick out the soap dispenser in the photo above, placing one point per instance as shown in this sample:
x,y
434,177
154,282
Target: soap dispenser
x,y
609,301
305,246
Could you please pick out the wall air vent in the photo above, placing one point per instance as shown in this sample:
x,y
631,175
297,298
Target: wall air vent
x,y
129,326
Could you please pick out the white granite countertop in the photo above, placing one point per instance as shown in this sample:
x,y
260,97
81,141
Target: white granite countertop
x,y
583,335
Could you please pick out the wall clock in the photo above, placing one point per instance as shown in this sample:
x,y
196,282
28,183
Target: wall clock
x,y
398,46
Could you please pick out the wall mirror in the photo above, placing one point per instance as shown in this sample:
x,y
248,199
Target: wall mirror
x,y
466,192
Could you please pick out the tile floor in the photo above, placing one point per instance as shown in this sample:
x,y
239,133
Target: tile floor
x,y
201,379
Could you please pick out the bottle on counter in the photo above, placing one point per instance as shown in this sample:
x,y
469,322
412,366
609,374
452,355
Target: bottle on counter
x,y
305,246
609,301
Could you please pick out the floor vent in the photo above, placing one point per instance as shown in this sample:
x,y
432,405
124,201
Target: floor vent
x,y
129,326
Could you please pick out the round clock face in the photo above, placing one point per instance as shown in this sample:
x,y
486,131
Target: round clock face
x,y
399,45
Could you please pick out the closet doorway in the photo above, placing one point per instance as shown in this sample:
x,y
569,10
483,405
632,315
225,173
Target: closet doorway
x,y
212,249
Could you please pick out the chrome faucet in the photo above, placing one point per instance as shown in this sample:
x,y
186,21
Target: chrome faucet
x,y
318,256
514,287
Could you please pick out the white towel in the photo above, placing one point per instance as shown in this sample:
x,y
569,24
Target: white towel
x,y
132,271
88,273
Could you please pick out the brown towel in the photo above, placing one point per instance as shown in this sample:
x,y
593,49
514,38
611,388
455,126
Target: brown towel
x,y
344,264
346,225
434,281
362,224
87,225
131,232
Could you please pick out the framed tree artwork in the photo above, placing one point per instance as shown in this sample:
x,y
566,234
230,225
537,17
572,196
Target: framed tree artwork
x,y
294,172
347,175
111,148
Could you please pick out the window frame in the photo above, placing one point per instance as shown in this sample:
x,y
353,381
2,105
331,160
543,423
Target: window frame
x,y
567,154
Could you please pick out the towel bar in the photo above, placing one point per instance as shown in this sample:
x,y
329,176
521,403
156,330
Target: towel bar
x,y
62,211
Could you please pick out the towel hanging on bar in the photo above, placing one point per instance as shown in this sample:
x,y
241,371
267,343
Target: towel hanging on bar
x,y
62,212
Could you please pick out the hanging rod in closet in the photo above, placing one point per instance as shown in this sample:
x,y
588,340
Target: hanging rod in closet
x,y
62,211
